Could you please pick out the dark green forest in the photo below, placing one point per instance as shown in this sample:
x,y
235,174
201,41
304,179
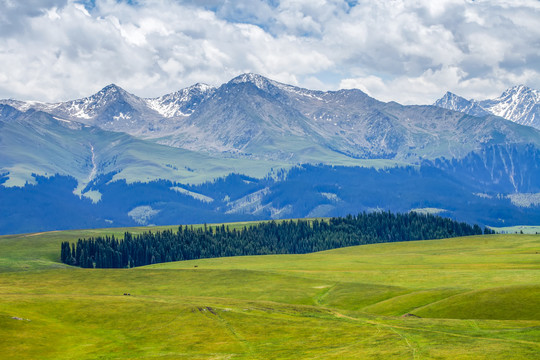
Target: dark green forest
x,y
284,237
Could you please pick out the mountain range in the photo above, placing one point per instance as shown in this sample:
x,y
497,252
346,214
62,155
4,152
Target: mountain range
x,y
174,157
254,117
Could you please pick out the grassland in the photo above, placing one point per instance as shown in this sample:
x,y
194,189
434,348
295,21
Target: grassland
x,y
463,298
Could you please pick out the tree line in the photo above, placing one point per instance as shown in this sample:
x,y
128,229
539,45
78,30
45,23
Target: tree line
x,y
284,237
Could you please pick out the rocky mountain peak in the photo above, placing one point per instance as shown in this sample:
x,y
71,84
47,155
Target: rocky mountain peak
x,y
519,104
111,91
201,87
520,93
111,88
181,103
258,80
451,100
455,102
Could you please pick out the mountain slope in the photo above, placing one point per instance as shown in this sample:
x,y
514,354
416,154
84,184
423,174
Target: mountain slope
x,y
34,142
497,186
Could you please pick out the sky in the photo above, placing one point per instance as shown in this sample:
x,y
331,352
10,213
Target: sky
x,y
409,51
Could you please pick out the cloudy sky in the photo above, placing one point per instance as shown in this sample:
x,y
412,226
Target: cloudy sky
x,y
410,51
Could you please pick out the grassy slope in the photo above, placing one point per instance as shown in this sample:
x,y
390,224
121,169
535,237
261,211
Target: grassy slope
x,y
478,298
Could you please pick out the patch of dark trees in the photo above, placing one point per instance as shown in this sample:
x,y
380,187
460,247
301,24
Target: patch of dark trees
x,y
285,237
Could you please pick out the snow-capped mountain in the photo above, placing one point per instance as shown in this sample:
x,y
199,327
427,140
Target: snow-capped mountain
x,y
519,104
181,103
454,102
114,109
257,118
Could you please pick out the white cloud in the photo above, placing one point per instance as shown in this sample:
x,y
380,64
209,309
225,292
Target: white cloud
x,y
411,51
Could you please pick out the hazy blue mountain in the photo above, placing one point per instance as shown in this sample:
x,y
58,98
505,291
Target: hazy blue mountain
x,y
519,104
497,169
478,188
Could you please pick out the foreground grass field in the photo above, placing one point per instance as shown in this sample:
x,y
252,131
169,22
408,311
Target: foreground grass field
x,y
462,298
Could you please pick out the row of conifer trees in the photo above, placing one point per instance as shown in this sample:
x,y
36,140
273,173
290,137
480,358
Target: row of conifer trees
x,y
284,237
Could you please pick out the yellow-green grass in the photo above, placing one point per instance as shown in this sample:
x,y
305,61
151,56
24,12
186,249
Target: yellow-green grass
x,y
464,298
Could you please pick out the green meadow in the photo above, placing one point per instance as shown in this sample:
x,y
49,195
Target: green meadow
x,y
462,298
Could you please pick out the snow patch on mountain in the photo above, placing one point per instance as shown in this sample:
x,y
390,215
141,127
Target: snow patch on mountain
x,y
166,109
299,91
259,81
80,110
122,116
519,104
23,105
181,103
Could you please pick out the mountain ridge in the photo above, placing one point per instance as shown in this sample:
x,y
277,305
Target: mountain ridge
x,y
254,117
